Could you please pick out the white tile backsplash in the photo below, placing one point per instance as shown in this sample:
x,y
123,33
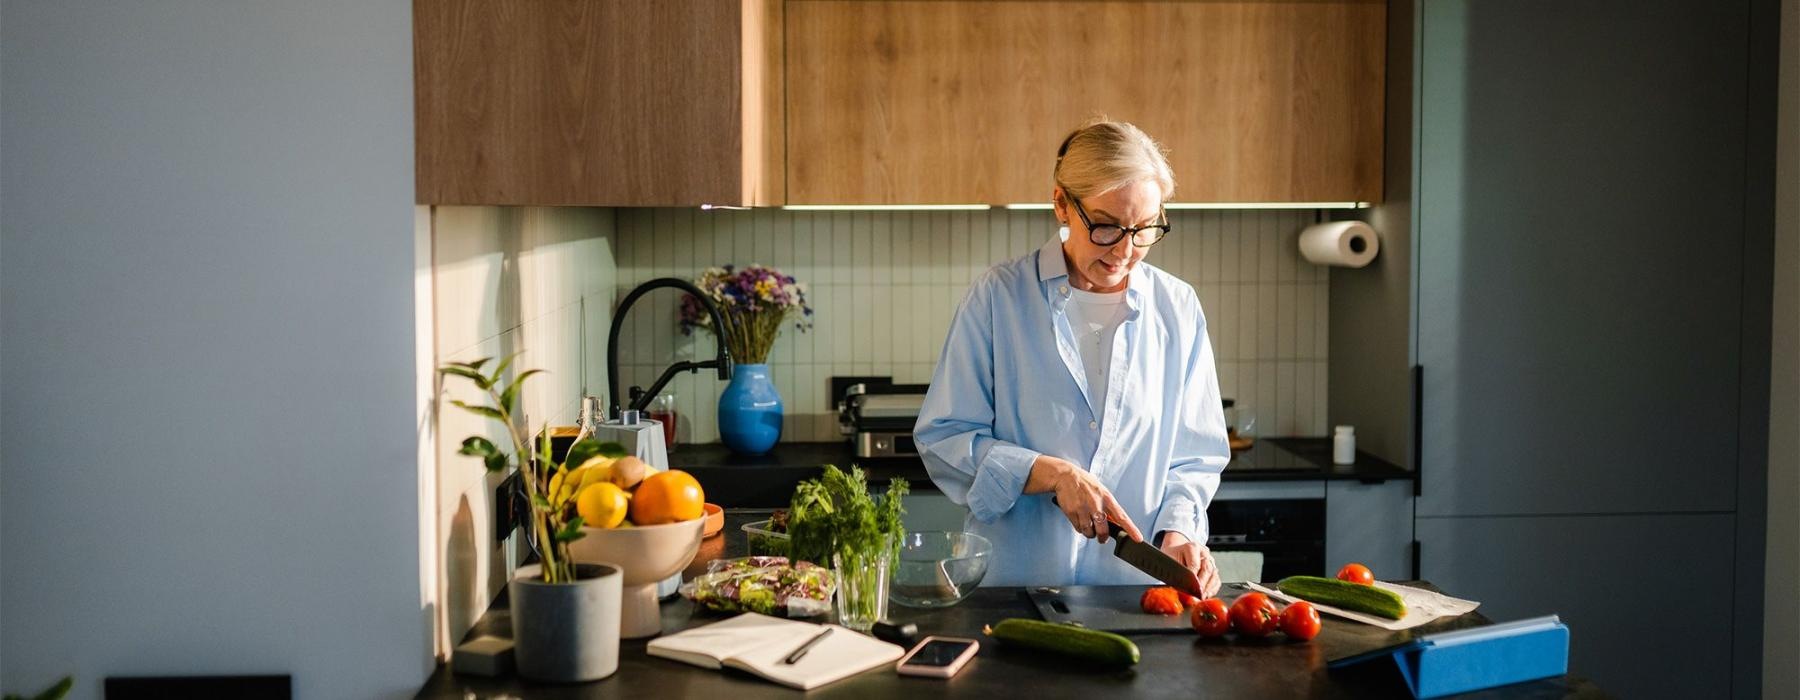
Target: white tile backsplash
x,y
884,286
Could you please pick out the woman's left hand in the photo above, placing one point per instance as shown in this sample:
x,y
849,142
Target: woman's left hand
x,y
1196,557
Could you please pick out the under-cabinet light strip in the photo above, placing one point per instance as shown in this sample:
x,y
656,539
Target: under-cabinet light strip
x,y
1043,206
887,207
1266,205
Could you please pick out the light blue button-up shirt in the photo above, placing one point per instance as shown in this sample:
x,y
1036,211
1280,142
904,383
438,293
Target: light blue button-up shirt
x,y
1010,386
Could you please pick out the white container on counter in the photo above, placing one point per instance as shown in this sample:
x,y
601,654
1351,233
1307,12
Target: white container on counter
x,y
1343,445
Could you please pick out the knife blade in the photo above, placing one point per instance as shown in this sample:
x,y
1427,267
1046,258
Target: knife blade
x,y
1147,558
1150,560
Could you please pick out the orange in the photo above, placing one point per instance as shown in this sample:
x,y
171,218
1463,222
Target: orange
x,y
667,497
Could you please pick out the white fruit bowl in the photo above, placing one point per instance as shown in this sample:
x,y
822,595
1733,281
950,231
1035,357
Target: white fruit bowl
x,y
647,555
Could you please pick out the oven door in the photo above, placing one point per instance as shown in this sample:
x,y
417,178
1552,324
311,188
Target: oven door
x,y
1289,533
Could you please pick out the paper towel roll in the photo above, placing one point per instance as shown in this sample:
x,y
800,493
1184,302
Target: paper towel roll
x,y
1340,243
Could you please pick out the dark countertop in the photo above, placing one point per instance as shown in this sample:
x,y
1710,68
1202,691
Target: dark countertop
x,y
733,480
1173,665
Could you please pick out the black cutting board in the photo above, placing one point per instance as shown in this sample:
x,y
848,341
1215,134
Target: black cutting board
x,y
1108,608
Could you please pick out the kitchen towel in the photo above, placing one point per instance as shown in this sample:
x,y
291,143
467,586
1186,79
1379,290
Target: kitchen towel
x,y
1422,606
1339,243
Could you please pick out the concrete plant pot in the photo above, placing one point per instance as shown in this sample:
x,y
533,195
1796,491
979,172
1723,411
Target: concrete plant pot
x,y
566,632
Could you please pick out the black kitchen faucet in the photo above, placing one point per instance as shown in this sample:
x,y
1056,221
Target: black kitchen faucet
x,y
640,397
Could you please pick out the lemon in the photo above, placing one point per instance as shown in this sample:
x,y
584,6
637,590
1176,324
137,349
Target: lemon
x,y
602,505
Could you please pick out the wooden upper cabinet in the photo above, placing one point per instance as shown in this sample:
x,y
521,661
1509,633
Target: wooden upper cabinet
x,y
966,102
598,102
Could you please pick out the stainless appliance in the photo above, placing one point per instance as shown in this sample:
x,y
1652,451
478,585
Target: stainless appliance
x,y
879,418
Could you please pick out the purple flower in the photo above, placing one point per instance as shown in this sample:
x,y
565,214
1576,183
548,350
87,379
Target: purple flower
x,y
748,298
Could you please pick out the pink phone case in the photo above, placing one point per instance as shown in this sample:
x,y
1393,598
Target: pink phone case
x,y
938,671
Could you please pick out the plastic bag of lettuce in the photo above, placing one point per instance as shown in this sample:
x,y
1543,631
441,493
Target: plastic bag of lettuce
x,y
767,585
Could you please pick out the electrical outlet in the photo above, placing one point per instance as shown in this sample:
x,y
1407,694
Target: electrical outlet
x,y
510,506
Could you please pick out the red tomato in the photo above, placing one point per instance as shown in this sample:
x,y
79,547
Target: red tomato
x,y
1300,621
1161,601
1356,573
1210,618
1188,601
1253,614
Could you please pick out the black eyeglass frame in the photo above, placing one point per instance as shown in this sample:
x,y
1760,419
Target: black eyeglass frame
x,y
1124,231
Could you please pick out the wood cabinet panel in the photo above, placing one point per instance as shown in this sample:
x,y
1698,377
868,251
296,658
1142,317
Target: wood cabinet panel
x,y
566,102
948,102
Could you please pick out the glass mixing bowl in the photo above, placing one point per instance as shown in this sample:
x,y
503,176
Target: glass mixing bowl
x,y
938,569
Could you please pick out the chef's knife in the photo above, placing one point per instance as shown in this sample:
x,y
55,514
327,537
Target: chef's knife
x,y
1150,560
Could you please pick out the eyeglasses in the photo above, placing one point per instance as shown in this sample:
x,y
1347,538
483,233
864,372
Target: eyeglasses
x,y
1107,235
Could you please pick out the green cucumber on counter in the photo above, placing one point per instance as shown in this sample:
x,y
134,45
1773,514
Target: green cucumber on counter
x,y
1346,595
1069,640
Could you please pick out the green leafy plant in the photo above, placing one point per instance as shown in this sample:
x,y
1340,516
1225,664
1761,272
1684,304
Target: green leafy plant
x,y
55,692
553,524
835,514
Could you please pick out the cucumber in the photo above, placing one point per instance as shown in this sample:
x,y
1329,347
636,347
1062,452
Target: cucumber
x,y
1346,595
1100,647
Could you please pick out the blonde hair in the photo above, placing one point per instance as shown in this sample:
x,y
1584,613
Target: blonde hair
x,y
1103,156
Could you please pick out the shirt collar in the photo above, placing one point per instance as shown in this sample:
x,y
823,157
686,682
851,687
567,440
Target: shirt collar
x,y
1051,266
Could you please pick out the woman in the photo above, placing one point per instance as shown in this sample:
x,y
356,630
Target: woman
x,y
1080,372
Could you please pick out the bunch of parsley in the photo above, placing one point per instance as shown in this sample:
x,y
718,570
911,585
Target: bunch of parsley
x,y
835,514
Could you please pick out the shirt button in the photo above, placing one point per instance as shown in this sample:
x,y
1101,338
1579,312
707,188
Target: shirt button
x,y
1064,289
1093,424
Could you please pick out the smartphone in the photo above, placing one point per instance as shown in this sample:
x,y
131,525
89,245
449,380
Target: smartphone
x,y
938,657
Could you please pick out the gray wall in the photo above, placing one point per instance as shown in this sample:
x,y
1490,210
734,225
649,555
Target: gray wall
x,y
1781,594
206,344
1372,307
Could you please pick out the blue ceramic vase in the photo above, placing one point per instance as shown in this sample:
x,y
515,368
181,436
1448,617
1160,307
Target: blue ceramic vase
x,y
750,411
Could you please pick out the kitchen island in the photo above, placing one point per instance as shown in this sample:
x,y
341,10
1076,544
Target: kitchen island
x,y
1173,665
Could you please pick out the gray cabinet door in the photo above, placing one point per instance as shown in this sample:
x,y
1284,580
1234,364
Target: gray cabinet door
x,y
1371,524
1647,597
1580,229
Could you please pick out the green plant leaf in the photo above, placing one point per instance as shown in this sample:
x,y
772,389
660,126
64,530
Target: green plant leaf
x,y
500,369
471,375
477,446
571,531
542,504
55,692
613,450
476,365
510,397
496,462
488,411
581,452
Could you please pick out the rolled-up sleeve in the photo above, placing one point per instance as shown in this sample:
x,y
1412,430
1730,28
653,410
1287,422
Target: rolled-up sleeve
x,y
955,431
1201,449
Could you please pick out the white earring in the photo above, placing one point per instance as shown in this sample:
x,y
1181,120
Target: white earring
x,y
1063,233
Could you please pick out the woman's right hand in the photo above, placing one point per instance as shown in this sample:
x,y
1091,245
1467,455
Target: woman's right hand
x,y
1083,500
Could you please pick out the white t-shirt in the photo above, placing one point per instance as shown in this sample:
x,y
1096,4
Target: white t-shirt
x,y
1094,318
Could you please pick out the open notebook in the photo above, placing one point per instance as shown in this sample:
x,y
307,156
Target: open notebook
x,y
758,643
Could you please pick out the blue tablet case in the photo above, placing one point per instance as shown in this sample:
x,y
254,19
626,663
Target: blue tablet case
x,y
1482,657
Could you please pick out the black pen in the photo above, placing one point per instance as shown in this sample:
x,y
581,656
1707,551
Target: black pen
x,y
795,657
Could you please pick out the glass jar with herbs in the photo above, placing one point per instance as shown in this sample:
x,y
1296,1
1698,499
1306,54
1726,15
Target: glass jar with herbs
x,y
835,519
